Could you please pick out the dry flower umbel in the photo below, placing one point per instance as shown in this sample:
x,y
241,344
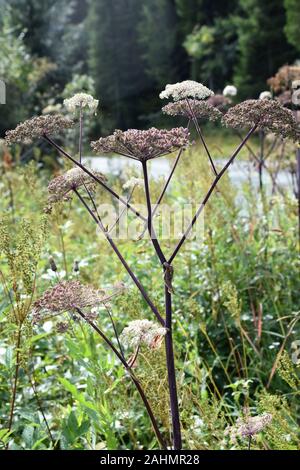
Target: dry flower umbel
x,y
248,426
37,127
143,332
192,108
220,102
267,115
60,187
143,145
67,296
187,89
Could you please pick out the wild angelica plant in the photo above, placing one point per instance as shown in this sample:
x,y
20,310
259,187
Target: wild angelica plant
x,y
191,100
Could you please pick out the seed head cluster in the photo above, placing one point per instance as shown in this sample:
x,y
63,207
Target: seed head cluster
x,y
143,145
268,115
65,297
187,89
36,127
60,187
193,108
143,332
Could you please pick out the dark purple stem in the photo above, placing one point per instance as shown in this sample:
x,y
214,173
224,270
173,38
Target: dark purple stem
x,y
209,193
177,441
151,230
195,121
132,376
123,261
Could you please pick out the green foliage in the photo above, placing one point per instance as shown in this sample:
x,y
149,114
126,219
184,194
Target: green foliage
x,y
260,33
159,19
292,25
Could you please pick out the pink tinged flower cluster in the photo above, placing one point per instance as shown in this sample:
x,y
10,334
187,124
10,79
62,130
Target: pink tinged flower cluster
x,y
60,187
37,127
221,102
248,426
267,115
143,145
67,296
193,108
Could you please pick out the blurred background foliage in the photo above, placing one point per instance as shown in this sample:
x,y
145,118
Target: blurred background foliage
x,y
132,48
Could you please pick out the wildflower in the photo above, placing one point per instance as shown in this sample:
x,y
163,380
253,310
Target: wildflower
x,y
81,100
220,102
38,127
143,332
230,90
60,187
134,183
67,296
197,108
267,115
265,95
186,89
248,426
143,145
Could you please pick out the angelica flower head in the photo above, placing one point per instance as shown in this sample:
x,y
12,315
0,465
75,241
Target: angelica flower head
x,y
186,89
265,95
220,102
67,296
81,100
37,127
59,188
143,145
267,115
248,426
140,332
230,90
192,108
134,183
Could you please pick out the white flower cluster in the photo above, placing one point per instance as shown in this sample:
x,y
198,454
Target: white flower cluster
x,y
186,89
248,426
265,95
134,182
81,100
230,90
143,332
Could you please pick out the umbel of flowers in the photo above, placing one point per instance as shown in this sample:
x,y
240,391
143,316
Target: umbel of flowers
x,y
193,101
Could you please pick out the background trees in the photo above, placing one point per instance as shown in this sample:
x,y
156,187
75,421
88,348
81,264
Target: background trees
x,y
131,48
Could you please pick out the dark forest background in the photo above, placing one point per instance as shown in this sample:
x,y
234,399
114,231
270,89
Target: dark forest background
x,y
125,51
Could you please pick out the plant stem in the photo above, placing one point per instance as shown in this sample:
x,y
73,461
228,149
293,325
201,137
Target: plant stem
x,y
80,133
123,261
177,442
197,127
166,185
15,382
94,177
151,230
132,376
209,193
